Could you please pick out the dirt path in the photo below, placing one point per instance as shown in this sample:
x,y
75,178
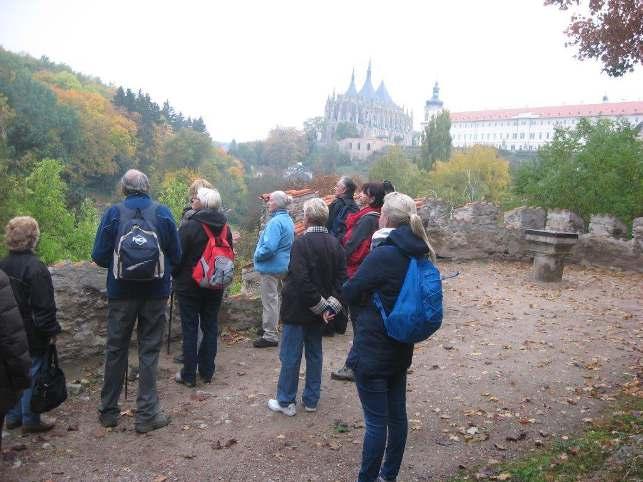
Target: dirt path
x,y
514,359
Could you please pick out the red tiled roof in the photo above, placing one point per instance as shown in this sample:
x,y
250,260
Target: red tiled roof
x,y
581,110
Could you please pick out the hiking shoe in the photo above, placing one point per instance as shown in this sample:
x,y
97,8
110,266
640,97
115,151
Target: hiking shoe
x,y
344,373
159,421
178,378
108,420
263,343
310,409
289,411
12,424
38,428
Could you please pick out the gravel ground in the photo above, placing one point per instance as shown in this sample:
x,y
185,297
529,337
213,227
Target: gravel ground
x,y
516,364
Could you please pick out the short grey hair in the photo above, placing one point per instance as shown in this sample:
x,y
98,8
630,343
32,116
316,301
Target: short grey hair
x,y
281,199
316,212
134,182
209,198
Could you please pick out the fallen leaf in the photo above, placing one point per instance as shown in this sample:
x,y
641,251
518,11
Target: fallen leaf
x,y
504,476
159,478
499,446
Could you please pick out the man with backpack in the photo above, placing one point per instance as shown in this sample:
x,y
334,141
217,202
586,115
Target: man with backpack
x,y
341,207
137,241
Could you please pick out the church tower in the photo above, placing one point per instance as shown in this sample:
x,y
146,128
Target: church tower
x,y
433,106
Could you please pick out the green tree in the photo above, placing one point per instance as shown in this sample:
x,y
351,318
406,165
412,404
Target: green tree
x,y
397,168
186,149
284,147
594,168
344,130
314,129
436,140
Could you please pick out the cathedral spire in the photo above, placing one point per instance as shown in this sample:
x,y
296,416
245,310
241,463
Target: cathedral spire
x,y
367,89
352,91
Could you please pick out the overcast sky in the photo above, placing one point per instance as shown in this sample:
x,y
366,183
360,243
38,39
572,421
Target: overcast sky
x,y
247,66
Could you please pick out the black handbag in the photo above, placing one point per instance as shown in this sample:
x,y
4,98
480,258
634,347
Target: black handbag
x,y
50,388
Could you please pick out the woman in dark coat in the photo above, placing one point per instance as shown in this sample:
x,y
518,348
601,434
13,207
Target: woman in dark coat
x,y
199,306
14,352
34,293
378,361
360,227
316,272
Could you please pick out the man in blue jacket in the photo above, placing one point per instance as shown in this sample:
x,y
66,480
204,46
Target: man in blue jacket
x,y
129,300
271,259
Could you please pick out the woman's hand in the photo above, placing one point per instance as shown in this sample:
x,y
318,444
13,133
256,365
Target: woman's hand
x,y
328,315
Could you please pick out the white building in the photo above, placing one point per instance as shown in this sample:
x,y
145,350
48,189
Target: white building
x,y
529,128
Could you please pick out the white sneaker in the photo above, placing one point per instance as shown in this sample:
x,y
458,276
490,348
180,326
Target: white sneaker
x,y
290,410
310,409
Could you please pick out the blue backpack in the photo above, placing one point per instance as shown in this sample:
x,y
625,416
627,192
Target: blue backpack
x,y
137,254
417,313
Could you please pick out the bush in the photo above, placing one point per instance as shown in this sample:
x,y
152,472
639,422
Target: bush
x,y
64,233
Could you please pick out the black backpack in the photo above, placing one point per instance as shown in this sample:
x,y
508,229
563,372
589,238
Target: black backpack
x,y
137,254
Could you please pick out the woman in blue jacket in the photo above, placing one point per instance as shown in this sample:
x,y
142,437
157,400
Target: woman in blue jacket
x,y
378,361
271,259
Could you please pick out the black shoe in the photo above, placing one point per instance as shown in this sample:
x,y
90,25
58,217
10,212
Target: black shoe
x,y
178,378
263,343
13,425
108,420
344,373
179,359
38,428
160,421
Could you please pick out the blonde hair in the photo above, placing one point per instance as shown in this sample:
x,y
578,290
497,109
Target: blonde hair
x,y
209,198
21,234
316,212
400,209
196,185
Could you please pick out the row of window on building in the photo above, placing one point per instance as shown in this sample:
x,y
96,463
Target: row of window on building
x,y
531,122
493,136
359,146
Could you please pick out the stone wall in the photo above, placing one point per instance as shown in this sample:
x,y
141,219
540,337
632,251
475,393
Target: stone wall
x,y
480,229
81,299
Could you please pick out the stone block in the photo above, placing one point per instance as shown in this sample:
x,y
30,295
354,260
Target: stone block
x,y
607,225
525,218
564,220
435,212
478,213
637,232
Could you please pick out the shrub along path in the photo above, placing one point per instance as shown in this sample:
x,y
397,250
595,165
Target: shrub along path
x,y
516,365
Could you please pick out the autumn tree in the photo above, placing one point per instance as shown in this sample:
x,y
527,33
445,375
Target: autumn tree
x,y
436,140
593,168
609,30
187,148
474,174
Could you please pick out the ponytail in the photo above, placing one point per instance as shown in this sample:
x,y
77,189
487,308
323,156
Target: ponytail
x,y
417,228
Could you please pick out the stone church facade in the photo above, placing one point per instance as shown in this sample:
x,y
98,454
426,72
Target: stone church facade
x,y
371,111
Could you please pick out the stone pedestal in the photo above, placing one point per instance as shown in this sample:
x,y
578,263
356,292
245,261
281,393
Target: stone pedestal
x,y
549,249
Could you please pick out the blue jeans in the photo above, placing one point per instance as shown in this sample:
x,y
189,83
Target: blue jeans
x,y
22,410
199,308
293,340
384,404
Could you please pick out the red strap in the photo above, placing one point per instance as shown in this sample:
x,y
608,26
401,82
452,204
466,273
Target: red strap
x,y
223,235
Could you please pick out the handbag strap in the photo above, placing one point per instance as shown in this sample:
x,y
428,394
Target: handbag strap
x,y
52,355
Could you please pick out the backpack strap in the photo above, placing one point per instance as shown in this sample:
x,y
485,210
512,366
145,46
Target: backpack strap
x,y
222,239
377,300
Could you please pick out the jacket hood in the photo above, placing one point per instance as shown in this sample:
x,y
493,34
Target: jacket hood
x,y
211,217
403,238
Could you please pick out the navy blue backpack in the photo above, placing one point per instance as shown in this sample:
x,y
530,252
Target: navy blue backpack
x,y
137,254
417,313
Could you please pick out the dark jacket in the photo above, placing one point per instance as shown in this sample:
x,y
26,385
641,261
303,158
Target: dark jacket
x,y
384,269
340,207
34,293
103,252
193,241
14,350
360,227
317,269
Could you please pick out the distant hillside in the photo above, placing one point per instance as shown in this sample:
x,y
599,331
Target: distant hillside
x,y
97,131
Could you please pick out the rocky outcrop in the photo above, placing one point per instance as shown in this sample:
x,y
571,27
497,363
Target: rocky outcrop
x,y
606,225
565,220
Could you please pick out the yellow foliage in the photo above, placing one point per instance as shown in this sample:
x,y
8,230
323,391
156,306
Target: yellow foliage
x,y
106,132
478,173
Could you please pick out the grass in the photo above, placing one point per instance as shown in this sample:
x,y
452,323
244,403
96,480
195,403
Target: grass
x,y
608,451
